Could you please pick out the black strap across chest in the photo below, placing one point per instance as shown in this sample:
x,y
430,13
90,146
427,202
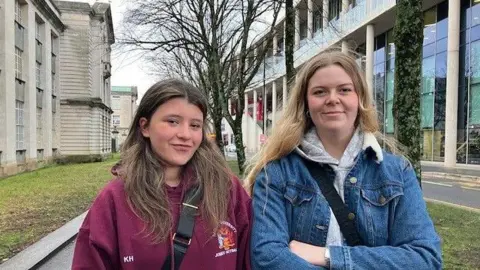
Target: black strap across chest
x,y
325,176
183,236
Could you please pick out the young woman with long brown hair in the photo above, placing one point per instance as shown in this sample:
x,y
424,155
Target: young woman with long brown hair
x,y
175,203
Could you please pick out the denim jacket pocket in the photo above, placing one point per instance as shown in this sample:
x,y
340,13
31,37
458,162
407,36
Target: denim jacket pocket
x,y
378,208
297,195
383,195
300,208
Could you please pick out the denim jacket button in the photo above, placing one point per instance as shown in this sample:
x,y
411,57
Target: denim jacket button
x,y
353,180
382,200
351,216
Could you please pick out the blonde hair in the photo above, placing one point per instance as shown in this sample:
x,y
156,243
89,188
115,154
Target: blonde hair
x,y
288,132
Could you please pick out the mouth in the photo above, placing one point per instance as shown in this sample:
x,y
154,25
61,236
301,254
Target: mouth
x,y
333,113
181,147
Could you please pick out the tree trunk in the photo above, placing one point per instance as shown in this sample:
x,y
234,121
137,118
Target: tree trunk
x,y
237,130
289,38
408,35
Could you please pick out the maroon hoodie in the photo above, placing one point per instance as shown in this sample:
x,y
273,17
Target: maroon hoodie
x,y
110,236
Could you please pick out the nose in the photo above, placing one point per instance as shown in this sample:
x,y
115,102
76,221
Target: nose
x,y
184,132
332,97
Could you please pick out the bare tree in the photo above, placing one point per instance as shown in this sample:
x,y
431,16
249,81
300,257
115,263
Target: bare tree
x,y
213,43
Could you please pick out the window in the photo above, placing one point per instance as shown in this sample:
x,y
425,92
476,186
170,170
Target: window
x,y
38,31
389,128
18,12
38,74
116,120
115,103
21,156
475,104
317,19
475,84
54,104
18,63
38,51
334,8
39,128
54,82
429,30
19,36
303,30
20,140
54,63
428,88
281,46
39,154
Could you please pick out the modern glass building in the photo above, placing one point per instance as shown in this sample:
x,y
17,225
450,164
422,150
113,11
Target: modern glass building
x,y
450,90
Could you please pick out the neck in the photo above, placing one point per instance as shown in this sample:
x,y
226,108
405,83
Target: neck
x,y
172,176
335,143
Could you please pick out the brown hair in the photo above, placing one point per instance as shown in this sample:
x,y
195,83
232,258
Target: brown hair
x,y
289,130
143,172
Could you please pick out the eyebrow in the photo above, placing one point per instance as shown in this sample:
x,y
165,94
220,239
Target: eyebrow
x,y
179,116
321,86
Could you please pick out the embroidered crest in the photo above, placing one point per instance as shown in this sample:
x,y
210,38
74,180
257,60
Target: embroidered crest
x,y
226,236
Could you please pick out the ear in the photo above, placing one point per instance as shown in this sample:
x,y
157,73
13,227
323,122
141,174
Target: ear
x,y
143,123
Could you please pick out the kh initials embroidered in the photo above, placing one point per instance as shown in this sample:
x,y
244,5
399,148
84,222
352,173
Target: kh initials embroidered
x,y
128,259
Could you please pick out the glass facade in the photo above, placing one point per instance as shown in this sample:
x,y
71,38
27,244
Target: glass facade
x,y
383,80
433,82
468,136
433,85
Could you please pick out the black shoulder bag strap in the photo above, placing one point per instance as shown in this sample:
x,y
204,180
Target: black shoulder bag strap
x,y
183,236
325,176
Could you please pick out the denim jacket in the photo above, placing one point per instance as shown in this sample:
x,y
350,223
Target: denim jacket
x,y
381,190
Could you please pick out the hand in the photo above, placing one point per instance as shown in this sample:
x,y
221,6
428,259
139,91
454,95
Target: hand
x,y
310,253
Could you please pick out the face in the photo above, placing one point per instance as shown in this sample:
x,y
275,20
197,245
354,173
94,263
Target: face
x,y
332,100
175,131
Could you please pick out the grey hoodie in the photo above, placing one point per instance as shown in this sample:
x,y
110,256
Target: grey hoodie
x,y
312,148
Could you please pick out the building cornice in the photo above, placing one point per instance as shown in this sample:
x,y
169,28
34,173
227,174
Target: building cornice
x,y
92,102
51,16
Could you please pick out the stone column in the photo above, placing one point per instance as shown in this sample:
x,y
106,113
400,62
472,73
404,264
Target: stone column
x,y
297,28
325,14
7,93
345,46
275,43
344,11
310,19
274,102
30,105
452,83
255,120
344,6
247,128
284,97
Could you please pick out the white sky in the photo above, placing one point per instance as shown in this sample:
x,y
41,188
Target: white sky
x,y
127,69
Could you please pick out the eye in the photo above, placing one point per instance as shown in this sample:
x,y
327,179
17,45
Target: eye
x,y
319,92
196,126
173,122
345,90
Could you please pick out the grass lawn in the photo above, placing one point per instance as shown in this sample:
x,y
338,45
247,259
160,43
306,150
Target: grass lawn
x,y
36,203
460,235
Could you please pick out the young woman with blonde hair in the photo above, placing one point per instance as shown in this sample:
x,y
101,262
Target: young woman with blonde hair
x,y
175,204
324,192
